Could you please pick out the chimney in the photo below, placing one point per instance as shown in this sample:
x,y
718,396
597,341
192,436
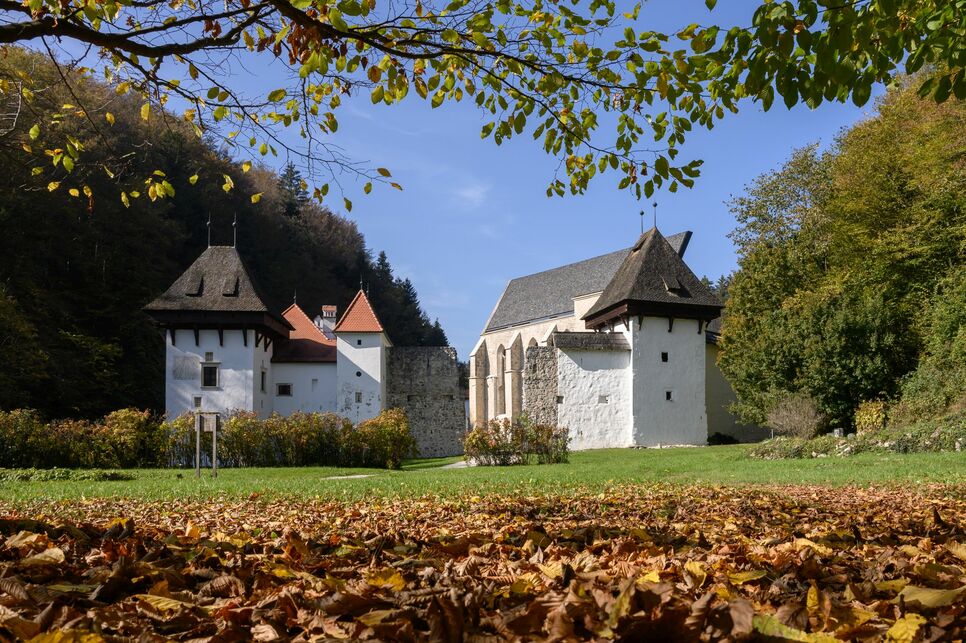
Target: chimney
x,y
326,320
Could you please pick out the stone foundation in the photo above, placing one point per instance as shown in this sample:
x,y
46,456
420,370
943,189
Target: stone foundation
x,y
424,382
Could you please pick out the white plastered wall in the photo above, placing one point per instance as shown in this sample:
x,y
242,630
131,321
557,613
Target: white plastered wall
x,y
314,387
595,387
537,331
182,367
262,360
683,419
361,366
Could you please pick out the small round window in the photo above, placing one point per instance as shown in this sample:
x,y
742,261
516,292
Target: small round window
x,y
358,373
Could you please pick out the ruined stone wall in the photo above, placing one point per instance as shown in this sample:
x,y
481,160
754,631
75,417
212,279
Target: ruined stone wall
x,y
540,384
424,382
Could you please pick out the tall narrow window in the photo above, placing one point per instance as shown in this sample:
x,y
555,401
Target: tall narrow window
x,y
358,397
669,396
664,356
264,378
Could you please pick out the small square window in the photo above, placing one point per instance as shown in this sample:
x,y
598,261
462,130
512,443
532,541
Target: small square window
x,y
283,390
560,399
358,342
664,356
669,396
358,397
197,401
209,356
209,376
602,399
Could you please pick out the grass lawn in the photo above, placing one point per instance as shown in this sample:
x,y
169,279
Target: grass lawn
x,y
588,471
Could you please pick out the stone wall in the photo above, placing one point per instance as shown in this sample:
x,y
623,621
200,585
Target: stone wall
x,y
424,382
540,384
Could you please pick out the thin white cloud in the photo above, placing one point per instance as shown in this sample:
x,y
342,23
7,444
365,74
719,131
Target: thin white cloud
x,y
471,195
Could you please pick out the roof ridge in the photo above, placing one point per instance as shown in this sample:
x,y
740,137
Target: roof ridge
x,y
310,325
364,321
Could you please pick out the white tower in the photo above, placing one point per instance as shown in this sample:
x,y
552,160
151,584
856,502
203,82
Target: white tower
x,y
361,343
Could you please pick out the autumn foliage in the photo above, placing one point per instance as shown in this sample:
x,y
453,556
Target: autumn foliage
x,y
634,563
505,442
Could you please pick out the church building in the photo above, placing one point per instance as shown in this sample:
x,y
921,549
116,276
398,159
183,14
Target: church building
x,y
620,349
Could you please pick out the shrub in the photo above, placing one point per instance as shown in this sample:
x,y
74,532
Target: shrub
x,y
870,416
549,444
17,428
136,437
943,434
387,439
504,442
796,415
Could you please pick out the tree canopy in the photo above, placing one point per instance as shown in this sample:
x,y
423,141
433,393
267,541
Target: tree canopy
x,y
593,86
851,269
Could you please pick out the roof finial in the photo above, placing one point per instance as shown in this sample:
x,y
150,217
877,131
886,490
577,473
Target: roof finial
x,y
642,221
295,295
209,229
234,231
655,213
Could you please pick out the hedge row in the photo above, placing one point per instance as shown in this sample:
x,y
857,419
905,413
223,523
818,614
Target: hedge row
x,y
130,438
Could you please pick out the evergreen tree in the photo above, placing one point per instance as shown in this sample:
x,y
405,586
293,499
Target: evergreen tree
x,y
293,190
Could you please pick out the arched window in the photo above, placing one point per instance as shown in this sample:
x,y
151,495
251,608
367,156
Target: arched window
x,y
500,380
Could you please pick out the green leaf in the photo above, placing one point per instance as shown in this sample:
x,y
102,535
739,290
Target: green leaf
x,y
34,132
277,95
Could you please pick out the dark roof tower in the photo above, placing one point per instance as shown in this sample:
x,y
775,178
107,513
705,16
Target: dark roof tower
x,y
653,280
216,291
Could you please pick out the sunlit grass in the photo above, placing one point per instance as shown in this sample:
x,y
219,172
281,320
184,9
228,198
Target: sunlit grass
x,y
588,471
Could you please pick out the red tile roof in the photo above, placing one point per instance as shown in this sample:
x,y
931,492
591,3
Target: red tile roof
x,y
306,343
359,317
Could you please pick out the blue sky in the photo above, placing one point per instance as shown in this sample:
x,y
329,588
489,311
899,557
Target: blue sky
x,y
473,215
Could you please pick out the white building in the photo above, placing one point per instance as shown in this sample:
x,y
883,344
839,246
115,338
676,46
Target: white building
x,y
225,350
620,349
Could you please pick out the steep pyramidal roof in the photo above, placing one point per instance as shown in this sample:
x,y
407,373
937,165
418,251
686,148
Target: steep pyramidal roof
x,y
306,343
653,279
359,317
550,293
216,281
215,285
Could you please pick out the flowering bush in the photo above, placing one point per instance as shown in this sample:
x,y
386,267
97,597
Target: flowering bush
x,y
504,442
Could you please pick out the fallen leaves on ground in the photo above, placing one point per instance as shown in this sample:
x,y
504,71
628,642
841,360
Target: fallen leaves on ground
x,y
635,563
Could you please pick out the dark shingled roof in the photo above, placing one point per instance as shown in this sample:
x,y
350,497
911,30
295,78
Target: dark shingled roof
x,y
550,293
216,281
590,341
654,278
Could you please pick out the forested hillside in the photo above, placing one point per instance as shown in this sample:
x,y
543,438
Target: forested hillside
x,y
75,271
852,277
